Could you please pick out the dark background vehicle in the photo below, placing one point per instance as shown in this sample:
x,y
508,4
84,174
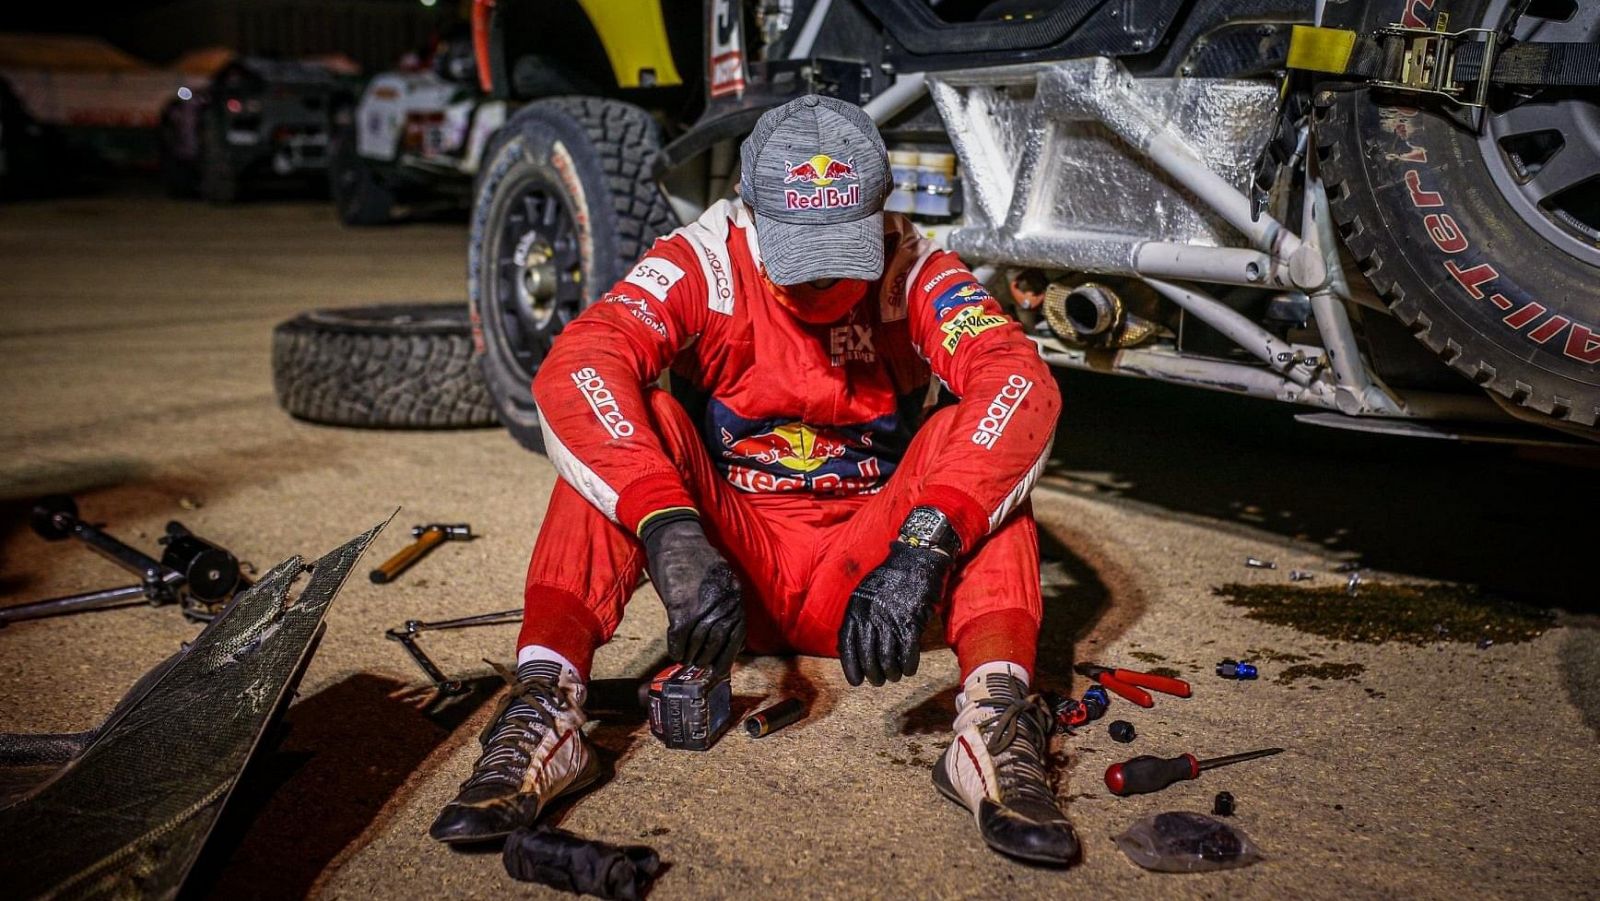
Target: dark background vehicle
x,y
260,120
414,137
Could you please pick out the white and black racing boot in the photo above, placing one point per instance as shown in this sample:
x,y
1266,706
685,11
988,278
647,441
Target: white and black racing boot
x,y
533,753
996,768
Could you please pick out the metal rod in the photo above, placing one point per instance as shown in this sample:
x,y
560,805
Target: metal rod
x,y
1278,354
907,88
808,32
129,558
1357,391
1199,372
89,600
1200,263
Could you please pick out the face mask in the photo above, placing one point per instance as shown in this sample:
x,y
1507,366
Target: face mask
x,y
820,306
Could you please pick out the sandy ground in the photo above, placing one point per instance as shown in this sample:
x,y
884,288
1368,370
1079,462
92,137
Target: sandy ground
x,y
134,338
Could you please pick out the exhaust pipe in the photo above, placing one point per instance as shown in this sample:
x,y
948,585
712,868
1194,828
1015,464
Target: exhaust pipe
x,y
1092,315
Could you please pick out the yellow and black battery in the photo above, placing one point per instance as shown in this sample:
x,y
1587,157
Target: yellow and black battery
x,y
690,706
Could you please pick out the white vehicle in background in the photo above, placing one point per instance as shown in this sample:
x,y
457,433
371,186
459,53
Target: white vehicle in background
x,y
415,137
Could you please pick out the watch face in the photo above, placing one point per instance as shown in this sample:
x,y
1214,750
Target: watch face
x,y
923,522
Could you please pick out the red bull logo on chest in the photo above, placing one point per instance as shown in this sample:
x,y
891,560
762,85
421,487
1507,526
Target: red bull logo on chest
x,y
796,446
821,172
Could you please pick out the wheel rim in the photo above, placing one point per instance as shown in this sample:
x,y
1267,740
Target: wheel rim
x,y
537,282
1543,148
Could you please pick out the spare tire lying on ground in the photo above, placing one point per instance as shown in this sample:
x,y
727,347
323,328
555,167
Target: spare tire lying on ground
x,y
406,366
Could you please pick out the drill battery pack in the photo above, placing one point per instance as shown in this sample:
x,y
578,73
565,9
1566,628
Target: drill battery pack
x,y
690,706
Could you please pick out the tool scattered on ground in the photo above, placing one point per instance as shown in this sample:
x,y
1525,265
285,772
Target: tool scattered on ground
x,y
571,863
1121,731
426,538
1183,842
765,722
1485,644
1146,773
1130,683
1071,713
194,573
1353,584
690,706
1299,575
407,636
1349,566
1222,805
1234,669
1258,563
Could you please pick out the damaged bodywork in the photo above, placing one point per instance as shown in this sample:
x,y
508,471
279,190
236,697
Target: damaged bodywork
x,y
124,809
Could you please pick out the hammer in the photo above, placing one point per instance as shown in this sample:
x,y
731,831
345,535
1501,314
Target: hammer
x,y
427,537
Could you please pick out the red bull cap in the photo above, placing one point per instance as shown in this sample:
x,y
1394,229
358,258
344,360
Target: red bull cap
x,y
815,173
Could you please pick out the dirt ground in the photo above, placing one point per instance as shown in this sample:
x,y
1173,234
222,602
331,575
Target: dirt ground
x,y
134,344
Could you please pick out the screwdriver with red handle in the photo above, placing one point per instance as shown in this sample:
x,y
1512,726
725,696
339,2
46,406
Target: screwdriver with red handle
x,y
1146,773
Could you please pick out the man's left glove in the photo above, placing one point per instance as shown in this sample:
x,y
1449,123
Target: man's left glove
x,y
705,605
883,624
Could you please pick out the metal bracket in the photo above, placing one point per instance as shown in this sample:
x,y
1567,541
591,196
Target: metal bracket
x,y
1428,63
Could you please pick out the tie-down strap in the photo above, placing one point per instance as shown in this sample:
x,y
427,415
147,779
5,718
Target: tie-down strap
x,y
1451,64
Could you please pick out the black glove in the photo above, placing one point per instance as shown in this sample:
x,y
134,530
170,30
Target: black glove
x,y
705,605
883,624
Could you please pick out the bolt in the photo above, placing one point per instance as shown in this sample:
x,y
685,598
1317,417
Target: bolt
x,y
1234,669
1121,731
1485,644
1299,575
1353,585
1257,563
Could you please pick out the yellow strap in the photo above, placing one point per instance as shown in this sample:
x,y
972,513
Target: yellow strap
x,y
1320,49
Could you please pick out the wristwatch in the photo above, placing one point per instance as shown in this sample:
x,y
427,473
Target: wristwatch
x,y
928,527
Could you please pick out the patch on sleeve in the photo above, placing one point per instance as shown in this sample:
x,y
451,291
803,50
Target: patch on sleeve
x,y
641,310
656,275
967,322
958,295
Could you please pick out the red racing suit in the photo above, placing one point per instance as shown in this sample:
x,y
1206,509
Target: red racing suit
x,y
809,454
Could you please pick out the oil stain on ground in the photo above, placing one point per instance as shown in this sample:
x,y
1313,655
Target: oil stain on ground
x,y
1337,671
1383,612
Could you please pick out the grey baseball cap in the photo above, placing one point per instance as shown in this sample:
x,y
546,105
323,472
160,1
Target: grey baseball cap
x,y
816,173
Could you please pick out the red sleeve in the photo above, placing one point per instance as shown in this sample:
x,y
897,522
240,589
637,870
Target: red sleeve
x,y
1006,418
590,388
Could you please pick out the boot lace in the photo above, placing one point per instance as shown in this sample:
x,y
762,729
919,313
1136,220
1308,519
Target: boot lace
x,y
520,722
1016,738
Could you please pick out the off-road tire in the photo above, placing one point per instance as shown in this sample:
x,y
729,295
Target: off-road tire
x,y
594,156
355,185
396,366
1367,144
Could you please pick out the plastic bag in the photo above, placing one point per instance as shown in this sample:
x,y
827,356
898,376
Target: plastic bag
x,y
1183,842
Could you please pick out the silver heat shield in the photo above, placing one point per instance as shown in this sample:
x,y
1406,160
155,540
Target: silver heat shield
x,y
1055,167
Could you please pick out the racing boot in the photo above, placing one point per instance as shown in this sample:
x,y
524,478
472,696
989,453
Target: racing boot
x,y
996,769
533,753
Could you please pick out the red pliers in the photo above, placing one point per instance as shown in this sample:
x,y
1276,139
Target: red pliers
x,y
1123,682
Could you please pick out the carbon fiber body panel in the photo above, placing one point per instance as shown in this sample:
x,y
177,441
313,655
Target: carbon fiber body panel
x,y
129,814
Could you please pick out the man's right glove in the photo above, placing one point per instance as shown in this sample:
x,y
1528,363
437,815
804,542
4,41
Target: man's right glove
x,y
705,605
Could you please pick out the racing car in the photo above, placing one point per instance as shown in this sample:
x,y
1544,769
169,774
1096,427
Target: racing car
x,y
1384,211
415,135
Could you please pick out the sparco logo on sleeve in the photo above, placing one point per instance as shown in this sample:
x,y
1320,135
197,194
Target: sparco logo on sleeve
x,y
602,402
993,423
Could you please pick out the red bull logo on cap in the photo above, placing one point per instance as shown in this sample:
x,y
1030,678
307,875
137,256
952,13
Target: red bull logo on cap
x,y
820,171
